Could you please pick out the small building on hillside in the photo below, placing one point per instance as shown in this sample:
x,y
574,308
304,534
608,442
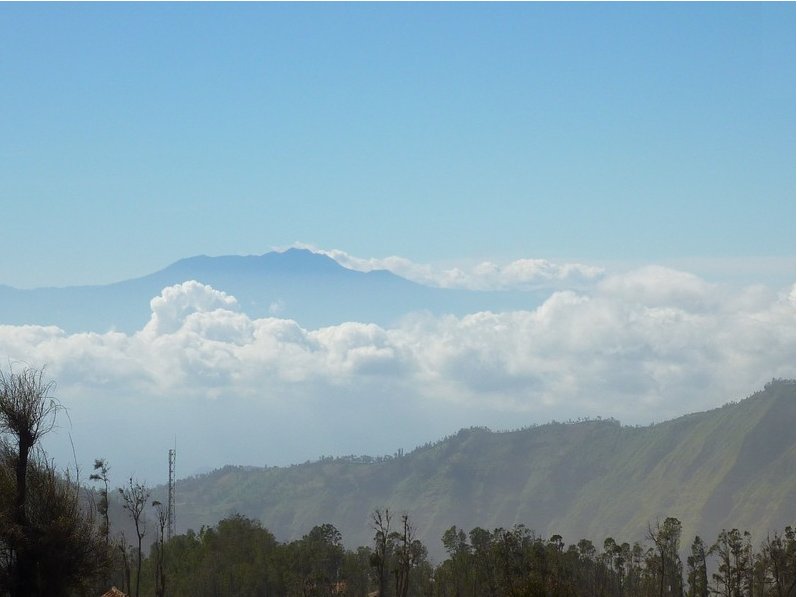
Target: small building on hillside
x,y
114,592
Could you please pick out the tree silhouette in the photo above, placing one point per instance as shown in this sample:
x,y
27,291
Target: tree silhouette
x,y
134,498
48,543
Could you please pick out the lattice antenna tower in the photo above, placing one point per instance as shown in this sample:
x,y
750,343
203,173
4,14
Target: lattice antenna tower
x,y
170,513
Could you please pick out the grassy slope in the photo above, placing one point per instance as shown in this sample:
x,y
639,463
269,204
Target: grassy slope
x,y
734,466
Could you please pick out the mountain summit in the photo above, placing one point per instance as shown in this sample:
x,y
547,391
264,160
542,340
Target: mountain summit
x,y
300,262
298,284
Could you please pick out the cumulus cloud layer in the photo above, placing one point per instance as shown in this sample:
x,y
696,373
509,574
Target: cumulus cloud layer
x,y
521,274
647,345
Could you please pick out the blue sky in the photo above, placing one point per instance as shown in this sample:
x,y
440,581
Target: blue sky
x,y
632,157
132,135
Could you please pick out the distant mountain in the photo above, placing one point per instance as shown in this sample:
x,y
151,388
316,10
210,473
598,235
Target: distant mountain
x,y
729,467
298,284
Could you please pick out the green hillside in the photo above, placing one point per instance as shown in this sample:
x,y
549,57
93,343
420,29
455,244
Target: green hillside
x,y
729,467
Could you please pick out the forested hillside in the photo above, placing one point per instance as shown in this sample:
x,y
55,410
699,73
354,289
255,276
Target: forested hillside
x,y
733,467
55,542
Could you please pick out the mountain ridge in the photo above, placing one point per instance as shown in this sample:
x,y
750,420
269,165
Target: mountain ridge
x,y
311,288
727,467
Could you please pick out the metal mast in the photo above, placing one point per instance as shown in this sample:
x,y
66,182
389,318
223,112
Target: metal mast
x,y
170,513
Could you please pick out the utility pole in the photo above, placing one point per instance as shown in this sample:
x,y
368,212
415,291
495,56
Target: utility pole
x,y
170,511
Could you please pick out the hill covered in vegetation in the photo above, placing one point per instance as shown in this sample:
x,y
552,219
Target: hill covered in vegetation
x,y
732,467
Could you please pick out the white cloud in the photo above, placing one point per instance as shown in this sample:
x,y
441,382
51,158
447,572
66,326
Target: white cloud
x,y
175,303
652,332
276,307
660,286
521,274
647,345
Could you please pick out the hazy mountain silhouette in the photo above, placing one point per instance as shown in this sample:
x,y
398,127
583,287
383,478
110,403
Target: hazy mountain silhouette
x,y
732,467
298,284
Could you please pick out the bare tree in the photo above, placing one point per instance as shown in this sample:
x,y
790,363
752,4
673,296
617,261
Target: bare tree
x,y
380,523
409,551
160,574
124,549
134,498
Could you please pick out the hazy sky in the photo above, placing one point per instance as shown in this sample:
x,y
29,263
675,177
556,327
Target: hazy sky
x,y
132,135
470,145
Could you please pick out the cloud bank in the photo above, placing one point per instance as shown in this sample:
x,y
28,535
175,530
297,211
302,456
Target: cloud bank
x,y
521,274
643,346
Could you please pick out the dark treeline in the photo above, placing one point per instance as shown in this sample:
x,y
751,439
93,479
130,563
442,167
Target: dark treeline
x,y
54,541
238,557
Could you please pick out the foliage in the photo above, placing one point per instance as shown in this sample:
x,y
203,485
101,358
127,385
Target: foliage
x,y
240,557
697,571
102,474
49,543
